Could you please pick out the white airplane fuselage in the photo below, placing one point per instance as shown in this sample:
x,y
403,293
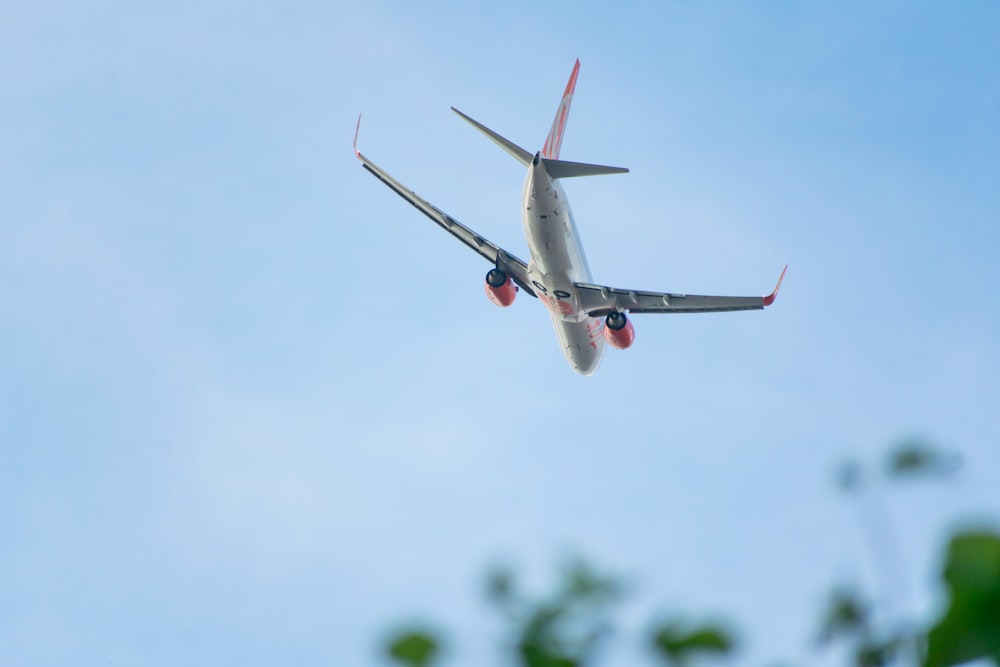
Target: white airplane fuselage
x,y
585,316
557,262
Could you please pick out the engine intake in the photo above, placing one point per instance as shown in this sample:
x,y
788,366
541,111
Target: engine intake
x,y
500,289
618,331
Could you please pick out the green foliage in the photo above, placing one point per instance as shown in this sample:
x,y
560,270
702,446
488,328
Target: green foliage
x,y
970,628
848,619
678,643
500,586
878,653
413,648
912,458
916,458
850,477
846,616
561,630
567,627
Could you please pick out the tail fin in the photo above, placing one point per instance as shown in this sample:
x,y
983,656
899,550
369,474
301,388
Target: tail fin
x,y
554,141
549,155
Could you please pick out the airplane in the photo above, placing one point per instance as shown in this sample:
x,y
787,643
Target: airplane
x,y
585,315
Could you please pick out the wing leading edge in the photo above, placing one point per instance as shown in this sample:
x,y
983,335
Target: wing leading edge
x,y
599,300
503,260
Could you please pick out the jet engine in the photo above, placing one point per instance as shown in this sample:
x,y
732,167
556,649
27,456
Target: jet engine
x,y
618,331
500,289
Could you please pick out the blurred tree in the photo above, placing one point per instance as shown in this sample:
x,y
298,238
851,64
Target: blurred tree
x,y
561,630
567,627
848,619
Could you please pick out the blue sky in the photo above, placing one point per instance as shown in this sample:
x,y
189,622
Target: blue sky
x,y
255,409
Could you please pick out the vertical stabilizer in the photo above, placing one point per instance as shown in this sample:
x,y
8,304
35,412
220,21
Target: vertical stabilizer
x,y
554,141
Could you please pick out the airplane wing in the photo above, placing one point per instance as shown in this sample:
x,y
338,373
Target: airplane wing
x,y
503,260
599,300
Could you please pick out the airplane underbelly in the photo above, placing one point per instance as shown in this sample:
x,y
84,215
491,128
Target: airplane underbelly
x,y
556,264
549,248
582,342
558,294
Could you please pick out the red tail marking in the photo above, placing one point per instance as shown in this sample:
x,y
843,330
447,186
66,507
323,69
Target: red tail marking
x,y
553,143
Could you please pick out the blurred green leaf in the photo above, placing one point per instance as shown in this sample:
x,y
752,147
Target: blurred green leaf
x,y
848,618
876,654
970,627
534,655
414,649
913,458
540,624
678,644
583,584
846,615
564,628
849,476
500,586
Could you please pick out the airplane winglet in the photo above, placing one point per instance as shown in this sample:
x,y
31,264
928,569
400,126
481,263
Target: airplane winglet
x,y
356,130
769,299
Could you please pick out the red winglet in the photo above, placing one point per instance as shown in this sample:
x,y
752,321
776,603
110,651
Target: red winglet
x,y
769,299
356,130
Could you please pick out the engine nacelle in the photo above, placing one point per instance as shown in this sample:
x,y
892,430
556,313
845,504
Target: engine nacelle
x,y
500,289
618,331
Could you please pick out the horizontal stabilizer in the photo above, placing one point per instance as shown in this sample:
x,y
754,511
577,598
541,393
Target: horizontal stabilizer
x,y
564,169
523,156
